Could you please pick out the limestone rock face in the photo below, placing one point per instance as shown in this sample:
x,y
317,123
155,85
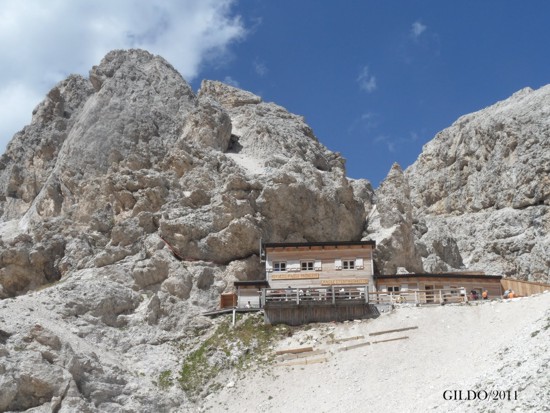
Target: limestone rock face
x,y
390,224
476,199
133,202
33,152
481,190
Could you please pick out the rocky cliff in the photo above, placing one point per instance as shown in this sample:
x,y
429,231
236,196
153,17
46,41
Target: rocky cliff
x,y
141,202
478,197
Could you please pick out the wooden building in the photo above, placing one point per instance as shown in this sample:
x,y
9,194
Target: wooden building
x,y
319,264
249,293
335,281
318,281
461,283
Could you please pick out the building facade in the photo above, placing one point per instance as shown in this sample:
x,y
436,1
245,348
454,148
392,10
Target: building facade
x,y
319,264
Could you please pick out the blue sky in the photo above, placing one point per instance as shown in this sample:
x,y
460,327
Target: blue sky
x,y
375,80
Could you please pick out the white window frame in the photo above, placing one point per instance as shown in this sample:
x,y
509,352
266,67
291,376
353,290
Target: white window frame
x,y
348,264
394,289
308,264
279,266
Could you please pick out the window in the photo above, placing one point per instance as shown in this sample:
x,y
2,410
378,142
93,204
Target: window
x,y
394,289
348,264
279,266
307,265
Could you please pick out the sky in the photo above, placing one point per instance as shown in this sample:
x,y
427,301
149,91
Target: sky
x,y
375,79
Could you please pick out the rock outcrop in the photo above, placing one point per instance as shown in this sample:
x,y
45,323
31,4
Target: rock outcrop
x,y
480,192
482,188
390,224
134,203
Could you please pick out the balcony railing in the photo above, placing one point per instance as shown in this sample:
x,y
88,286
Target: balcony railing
x,y
340,294
310,295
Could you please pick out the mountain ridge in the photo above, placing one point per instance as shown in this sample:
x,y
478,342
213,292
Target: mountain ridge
x,y
117,172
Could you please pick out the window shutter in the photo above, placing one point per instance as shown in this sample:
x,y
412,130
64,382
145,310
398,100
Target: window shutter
x,y
359,264
293,266
338,264
317,266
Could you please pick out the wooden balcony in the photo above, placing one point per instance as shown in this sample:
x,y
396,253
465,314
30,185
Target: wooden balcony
x,y
295,306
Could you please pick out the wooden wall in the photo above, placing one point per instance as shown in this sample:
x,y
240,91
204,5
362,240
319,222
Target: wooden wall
x,y
228,300
328,274
317,312
524,288
492,285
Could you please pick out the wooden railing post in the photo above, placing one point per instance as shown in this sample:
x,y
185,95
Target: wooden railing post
x,y
440,296
297,296
416,296
333,295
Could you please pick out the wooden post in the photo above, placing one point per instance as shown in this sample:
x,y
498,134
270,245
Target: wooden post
x,y
440,296
366,291
297,296
416,296
262,300
333,295
234,317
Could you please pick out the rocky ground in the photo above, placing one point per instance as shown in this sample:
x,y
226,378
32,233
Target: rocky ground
x,y
483,346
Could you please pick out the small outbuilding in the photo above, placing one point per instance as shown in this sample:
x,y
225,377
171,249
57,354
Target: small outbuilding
x,y
249,293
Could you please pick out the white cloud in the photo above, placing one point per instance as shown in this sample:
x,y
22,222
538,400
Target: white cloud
x,y
364,123
366,80
45,41
369,118
228,80
387,141
417,29
260,68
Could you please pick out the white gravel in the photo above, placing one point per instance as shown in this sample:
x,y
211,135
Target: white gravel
x,y
491,346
